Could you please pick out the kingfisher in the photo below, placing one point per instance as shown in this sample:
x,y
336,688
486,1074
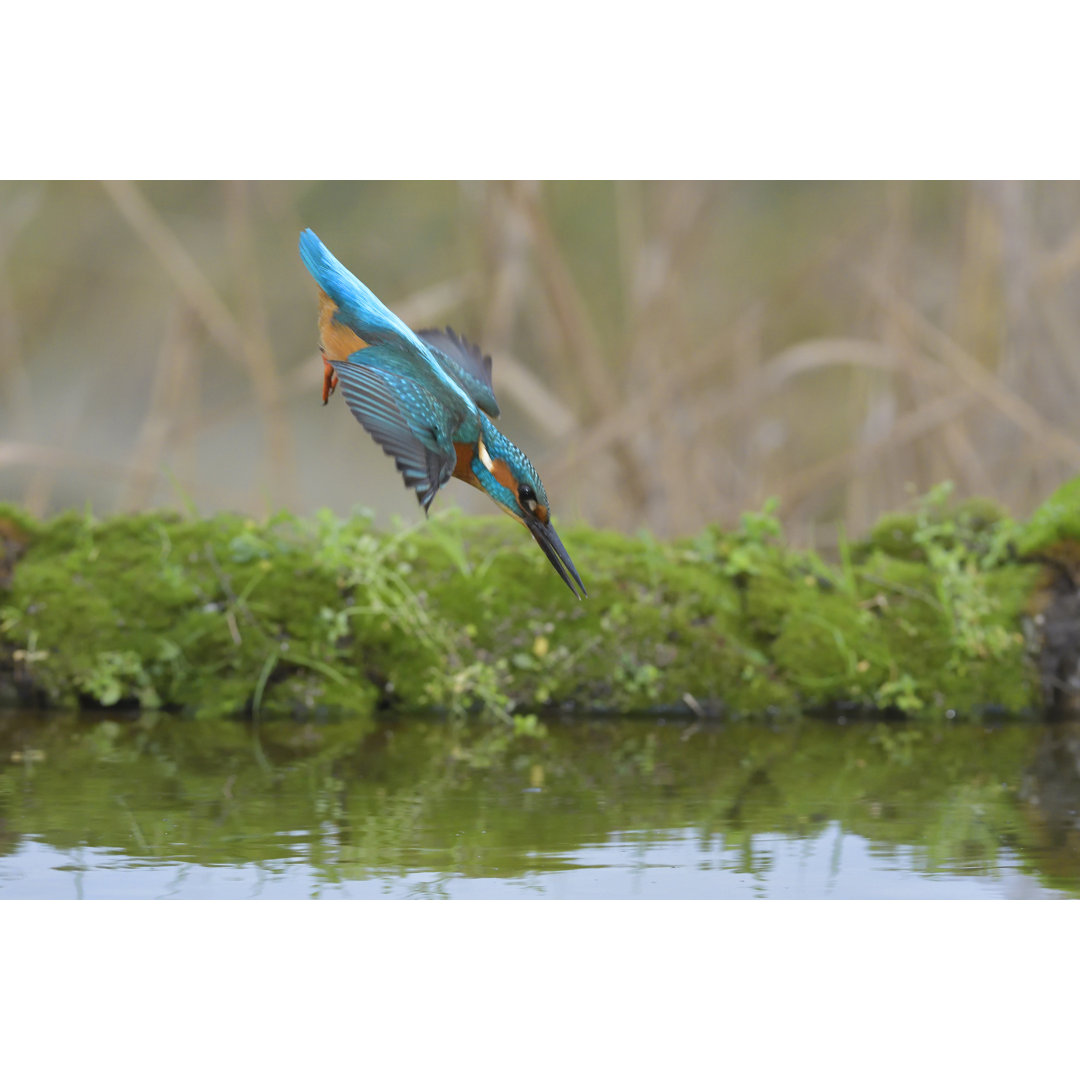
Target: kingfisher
x,y
426,398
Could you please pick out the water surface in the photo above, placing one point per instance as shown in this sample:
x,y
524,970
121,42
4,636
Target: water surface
x,y
162,806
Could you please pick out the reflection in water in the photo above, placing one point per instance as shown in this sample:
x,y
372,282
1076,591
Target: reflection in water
x,y
169,807
666,867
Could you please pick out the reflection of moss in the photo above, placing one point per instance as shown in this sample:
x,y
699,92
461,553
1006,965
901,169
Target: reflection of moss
x,y
230,615
354,799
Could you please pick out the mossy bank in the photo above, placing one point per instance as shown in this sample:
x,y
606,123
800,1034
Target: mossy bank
x,y
946,610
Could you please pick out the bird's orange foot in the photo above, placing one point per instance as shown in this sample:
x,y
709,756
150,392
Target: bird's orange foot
x,y
329,381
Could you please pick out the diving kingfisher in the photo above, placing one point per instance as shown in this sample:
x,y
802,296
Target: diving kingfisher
x,y
423,398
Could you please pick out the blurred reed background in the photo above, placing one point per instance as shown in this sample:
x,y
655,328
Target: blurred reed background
x,y
669,354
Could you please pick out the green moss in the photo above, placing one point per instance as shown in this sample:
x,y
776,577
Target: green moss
x,y
930,622
1056,521
894,534
973,523
295,616
16,521
160,611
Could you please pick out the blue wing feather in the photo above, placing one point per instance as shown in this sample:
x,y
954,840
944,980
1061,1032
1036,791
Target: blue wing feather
x,y
391,408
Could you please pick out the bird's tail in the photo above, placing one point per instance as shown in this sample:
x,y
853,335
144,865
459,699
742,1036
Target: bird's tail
x,y
358,307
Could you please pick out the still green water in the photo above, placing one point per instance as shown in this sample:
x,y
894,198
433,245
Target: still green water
x,y
162,806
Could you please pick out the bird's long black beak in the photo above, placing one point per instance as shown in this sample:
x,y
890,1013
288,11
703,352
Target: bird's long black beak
x,y
552,547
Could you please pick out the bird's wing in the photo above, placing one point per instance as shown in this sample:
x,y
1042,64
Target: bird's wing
x,y
401,416
466,363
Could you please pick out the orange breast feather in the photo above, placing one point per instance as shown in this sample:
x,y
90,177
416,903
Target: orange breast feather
x,y
338,341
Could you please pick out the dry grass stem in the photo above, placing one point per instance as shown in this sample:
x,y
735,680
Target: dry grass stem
x,y
969,371
681,350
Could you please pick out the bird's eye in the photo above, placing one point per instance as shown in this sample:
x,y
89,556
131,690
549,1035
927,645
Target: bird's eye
x,y
527,498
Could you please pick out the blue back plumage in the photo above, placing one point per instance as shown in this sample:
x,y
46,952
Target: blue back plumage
x,y
362,311
357,305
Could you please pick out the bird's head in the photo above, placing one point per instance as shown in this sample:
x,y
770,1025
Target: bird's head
x,y
509,479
